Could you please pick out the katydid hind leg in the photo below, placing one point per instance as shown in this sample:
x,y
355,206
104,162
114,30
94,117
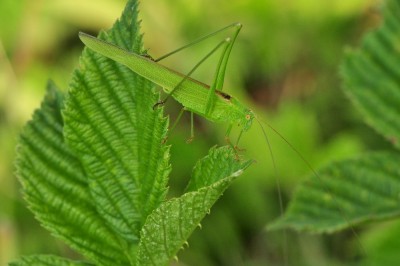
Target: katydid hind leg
x,y
227,44
222,43
221,67
214,85
219,76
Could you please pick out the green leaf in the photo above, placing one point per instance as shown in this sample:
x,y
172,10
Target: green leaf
x,y
170,225
112,127
55,185
96,176
366,188
47,260
372,76
219,164
347,192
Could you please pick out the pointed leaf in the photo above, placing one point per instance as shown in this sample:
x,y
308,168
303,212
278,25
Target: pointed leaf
x,y
55,186
348,192
47,260
372,76
169,226
220,163
111,125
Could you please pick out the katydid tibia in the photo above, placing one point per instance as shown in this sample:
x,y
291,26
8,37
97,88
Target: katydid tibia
x,y
207,101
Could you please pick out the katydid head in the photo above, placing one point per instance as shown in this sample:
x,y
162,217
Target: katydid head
x,y
247,121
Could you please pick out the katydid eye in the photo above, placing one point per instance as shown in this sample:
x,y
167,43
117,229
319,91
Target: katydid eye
x,y
248,117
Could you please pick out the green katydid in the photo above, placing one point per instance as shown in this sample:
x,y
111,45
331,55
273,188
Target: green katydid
x,y
207,101
196,97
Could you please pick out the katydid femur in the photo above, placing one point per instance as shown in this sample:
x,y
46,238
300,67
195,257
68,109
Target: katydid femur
x,y
197,97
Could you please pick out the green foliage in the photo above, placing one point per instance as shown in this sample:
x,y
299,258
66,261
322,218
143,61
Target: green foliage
x,y
372,76
168,226
123,156
56,188
94,166
365,188
47,260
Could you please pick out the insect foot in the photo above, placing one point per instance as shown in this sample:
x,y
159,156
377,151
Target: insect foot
x,y
236,147
157,104
145,54
164,140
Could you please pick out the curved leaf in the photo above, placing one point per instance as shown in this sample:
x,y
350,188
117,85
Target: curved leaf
x,y
111,125
219,163
47,260
169,226
346,193
372,76
56,189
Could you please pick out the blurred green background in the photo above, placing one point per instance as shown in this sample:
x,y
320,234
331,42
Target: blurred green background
x,y
284,65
